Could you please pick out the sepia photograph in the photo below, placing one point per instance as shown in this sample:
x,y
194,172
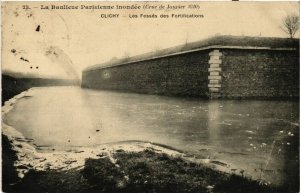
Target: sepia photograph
x,y
150,97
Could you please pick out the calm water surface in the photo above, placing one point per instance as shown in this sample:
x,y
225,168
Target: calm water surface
x,y
258,136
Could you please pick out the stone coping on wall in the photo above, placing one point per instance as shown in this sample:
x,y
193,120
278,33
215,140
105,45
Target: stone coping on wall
x,y
124,62
215,42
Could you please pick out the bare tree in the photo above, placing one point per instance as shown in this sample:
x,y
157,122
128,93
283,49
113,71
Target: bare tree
x,y
290,24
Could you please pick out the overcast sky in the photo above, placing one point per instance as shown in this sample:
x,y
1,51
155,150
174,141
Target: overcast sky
x,y
68,41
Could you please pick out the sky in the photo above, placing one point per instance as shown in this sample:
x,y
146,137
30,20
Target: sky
x,y
61,43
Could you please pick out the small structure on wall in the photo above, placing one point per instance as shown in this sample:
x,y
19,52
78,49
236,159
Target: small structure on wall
x,y
219,67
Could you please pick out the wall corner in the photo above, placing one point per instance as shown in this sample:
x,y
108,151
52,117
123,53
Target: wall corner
x,y
214,78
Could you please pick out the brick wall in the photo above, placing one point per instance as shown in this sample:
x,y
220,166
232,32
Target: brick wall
x,y
260,74
221,73
180,75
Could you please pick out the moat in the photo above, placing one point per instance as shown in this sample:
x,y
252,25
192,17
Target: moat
x,y
259,137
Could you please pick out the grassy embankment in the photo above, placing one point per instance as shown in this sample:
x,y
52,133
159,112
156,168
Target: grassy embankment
x,y
145,171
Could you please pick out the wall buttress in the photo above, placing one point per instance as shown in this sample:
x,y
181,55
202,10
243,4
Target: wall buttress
x,y
214,77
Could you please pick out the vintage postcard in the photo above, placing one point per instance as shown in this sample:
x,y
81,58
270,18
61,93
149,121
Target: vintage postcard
x,y
150,97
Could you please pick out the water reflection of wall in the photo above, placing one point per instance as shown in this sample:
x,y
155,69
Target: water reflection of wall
x,y
213,122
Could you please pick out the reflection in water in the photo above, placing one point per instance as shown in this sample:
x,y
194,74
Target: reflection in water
x,y
238,133
213,123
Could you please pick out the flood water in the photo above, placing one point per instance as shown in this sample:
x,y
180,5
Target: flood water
x,y
260,137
